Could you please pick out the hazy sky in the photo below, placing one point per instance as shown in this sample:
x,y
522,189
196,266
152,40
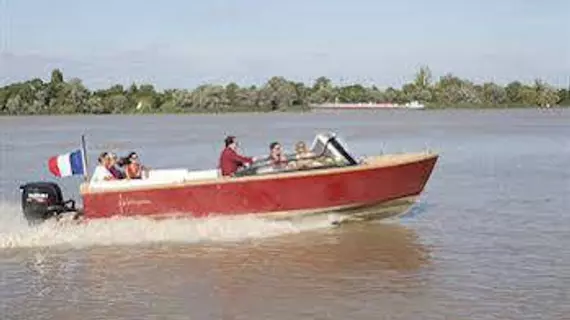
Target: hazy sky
x,y
176,43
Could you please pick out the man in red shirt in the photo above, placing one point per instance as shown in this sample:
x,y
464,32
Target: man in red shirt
x,y
230,160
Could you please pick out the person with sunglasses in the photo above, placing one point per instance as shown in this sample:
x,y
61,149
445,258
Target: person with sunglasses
x,y
133,168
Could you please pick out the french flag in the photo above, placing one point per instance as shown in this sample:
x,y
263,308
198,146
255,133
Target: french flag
x,y
66,165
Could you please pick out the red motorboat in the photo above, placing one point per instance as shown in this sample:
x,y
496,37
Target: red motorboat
x,y
335,182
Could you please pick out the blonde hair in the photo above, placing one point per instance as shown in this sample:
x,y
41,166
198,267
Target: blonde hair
x,y
301,147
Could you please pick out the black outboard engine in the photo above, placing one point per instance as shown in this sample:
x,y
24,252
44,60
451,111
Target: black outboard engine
x,y
42,201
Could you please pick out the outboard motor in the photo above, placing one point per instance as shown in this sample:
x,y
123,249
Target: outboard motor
x,y
42,201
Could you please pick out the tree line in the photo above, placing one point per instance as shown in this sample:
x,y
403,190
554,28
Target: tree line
x,y
37,97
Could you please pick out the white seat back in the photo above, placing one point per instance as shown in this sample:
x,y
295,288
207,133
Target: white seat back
x,y
167,175
158,177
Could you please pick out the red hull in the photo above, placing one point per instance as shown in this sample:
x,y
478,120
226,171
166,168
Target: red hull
x,y
292,193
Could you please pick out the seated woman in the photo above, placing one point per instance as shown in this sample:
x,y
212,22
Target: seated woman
x,y
276,157
305,158
133,168
114,166
302,151
102,171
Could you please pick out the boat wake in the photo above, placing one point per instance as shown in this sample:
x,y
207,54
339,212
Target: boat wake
x,y
15,232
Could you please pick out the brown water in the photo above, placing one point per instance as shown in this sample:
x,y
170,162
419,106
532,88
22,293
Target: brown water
x,y
489,238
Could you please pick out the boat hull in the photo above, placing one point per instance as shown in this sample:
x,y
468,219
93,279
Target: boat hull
x,y
348,191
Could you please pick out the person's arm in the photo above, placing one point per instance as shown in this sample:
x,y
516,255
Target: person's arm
x,y
102,174
129,174
107,176
241,159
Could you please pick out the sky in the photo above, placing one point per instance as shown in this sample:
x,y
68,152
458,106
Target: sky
x,y
185,43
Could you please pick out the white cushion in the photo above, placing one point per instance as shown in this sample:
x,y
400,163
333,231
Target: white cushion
x,y
157,177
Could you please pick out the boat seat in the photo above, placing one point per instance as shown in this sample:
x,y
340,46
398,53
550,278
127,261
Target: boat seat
x,y
203,174
157,177
167,175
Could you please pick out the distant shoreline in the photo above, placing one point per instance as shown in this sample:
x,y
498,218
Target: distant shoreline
x,y
291,112
278,95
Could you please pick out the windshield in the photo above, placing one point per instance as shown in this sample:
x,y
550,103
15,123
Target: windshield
x,y
328,145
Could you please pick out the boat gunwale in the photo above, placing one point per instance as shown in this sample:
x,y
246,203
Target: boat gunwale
x,y
371,163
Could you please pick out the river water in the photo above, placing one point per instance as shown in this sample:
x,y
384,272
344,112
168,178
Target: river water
x,y
488,239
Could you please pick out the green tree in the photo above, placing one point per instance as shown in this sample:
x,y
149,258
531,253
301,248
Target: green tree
x,y
514,92
56,77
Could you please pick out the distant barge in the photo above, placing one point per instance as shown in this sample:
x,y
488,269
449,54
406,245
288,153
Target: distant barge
x,y
358,106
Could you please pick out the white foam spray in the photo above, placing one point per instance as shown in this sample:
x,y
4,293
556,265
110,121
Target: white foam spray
x,y
15,232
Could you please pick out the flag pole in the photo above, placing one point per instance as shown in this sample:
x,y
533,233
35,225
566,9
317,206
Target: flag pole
x,y
84,157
